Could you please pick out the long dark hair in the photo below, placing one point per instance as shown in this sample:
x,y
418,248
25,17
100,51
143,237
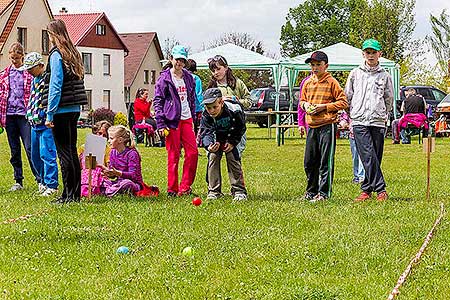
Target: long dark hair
x,y
140,92
214,63
70,56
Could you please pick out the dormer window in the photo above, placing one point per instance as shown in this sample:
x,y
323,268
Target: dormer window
x,y
100,29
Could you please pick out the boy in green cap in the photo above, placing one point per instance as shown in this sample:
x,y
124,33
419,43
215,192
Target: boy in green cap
x,y
370,95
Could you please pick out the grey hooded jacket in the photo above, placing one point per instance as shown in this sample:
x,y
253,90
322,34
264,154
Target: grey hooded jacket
x,y
370,95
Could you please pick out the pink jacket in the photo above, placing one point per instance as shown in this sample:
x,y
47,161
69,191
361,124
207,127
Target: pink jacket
x,y
301,114
4,92
415,119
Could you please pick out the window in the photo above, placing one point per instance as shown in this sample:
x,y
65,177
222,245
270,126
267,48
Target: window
x,y
438,95
88,106
106,64
87,62
45,42
100,29
153,76
146,75
22,37
426,93
107,99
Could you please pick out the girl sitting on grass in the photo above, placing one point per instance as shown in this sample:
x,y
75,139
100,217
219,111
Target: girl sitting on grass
x,y
123,174
100,128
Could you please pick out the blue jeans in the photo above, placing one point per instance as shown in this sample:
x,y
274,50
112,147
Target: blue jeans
x,y
358,168
17,127
43,156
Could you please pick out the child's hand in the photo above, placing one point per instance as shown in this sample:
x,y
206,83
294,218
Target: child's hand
x,y
164,132
227,147
112,173
214,147
49,124
302,130
315,109
309,108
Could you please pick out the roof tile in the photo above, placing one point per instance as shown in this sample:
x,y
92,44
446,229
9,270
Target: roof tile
x,y
78,24
137,44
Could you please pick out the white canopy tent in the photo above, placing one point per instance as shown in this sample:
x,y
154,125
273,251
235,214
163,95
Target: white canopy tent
x,y
237,58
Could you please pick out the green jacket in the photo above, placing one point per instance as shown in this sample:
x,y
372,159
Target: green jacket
x,y
241,92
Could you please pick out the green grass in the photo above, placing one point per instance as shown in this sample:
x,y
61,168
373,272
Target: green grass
x,y
272,246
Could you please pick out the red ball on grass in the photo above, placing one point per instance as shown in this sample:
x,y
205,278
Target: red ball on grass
x,y
196,201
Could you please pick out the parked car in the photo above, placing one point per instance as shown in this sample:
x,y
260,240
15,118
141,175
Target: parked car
x,y
263,99
432,95
444,106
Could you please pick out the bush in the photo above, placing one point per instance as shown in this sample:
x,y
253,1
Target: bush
x,y
103,113
120,119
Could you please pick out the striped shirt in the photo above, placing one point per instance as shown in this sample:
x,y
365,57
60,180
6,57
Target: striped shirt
x,y
324,91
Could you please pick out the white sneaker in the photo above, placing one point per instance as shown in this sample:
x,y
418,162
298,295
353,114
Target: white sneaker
x,y
211,197
49,192
16,187
240,197
41,188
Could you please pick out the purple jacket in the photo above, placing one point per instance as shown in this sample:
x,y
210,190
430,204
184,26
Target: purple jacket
x,y
167,102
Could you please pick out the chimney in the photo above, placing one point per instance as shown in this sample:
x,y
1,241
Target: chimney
x,y
63,10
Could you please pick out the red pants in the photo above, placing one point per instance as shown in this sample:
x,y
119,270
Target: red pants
x,y
181,136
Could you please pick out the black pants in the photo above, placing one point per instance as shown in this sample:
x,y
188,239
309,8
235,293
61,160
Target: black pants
x,y
319,159
369,143
17,128
65,135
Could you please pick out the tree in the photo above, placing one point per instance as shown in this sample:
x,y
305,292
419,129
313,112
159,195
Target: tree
x,y
317,24
167,46
440,41
169,43
415,69
241,39
389,21
313,25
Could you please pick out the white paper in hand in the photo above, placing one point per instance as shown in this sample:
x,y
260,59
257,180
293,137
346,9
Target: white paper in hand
x,y
96,145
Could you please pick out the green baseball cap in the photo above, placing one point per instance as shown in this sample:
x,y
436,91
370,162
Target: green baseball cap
x,y
371,44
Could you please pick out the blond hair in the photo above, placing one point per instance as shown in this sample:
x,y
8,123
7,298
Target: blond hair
x,y
17,48
123,132
70,55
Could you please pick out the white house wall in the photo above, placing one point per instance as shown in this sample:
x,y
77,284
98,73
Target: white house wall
x,y
97,82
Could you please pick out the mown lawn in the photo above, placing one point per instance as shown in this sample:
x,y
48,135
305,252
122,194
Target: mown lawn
x,y
272,246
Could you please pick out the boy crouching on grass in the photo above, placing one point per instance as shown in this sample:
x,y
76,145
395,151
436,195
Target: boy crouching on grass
x,y
221,130
322,97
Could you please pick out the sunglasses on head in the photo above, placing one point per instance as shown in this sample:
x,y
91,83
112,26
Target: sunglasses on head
x,y
217,58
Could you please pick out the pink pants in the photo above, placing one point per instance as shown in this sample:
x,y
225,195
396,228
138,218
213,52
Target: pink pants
x,y
181,136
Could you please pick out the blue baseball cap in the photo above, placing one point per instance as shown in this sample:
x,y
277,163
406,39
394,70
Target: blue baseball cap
x,y
179,52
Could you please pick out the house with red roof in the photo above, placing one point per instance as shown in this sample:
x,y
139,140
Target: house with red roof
x,y
24,21
142,64
103,53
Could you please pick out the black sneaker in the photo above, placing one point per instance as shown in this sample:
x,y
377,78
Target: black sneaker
x,y
171,194
60,200
63,200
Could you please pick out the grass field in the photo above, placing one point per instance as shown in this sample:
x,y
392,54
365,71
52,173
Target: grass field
x,y
272,246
